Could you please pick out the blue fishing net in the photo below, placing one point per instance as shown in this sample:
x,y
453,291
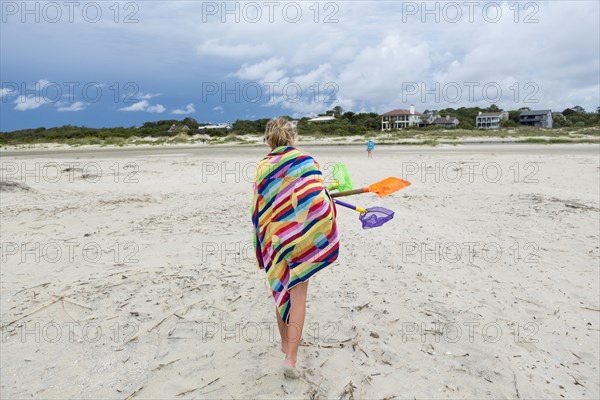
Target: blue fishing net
x,y
375,217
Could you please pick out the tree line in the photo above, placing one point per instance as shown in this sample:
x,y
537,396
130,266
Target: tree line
x,y
347,123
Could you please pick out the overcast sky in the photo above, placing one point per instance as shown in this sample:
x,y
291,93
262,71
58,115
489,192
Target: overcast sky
x,y
100,64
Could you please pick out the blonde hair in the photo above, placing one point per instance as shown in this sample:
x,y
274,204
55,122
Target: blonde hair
x,y
280,132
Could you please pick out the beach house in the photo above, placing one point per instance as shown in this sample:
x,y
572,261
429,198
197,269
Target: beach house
x,y
398,119
540,118
490,120
446,122
178,128
428,117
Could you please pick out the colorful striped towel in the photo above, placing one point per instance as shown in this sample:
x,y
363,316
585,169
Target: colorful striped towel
x,y
295,233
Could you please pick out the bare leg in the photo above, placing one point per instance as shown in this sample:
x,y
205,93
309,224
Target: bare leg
x,y
282,333
296,321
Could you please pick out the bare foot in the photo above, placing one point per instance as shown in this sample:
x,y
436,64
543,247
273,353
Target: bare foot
x,y
290,371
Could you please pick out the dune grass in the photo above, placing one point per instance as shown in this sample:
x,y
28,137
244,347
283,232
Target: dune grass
x,y
413,136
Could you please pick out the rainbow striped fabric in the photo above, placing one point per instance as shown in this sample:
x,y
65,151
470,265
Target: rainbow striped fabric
x,y
295,232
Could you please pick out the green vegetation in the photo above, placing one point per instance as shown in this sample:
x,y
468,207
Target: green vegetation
x,y
508,124
557,140
569,124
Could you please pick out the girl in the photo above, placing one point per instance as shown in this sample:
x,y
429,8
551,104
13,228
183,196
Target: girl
x,y
295,232
370,147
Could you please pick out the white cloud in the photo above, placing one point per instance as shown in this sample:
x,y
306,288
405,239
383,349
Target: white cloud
x,y
270,70
370,63
372,75
158,108
33,101
139,106
6,92
367,54
41,84
145,96
144,106
218,109
76,106
187,110
212,47
24,103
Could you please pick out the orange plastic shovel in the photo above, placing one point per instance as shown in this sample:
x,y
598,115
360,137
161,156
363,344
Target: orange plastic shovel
x,y
382,188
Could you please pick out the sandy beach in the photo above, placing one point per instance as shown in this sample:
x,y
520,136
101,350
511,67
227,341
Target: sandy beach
x,y
129,273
